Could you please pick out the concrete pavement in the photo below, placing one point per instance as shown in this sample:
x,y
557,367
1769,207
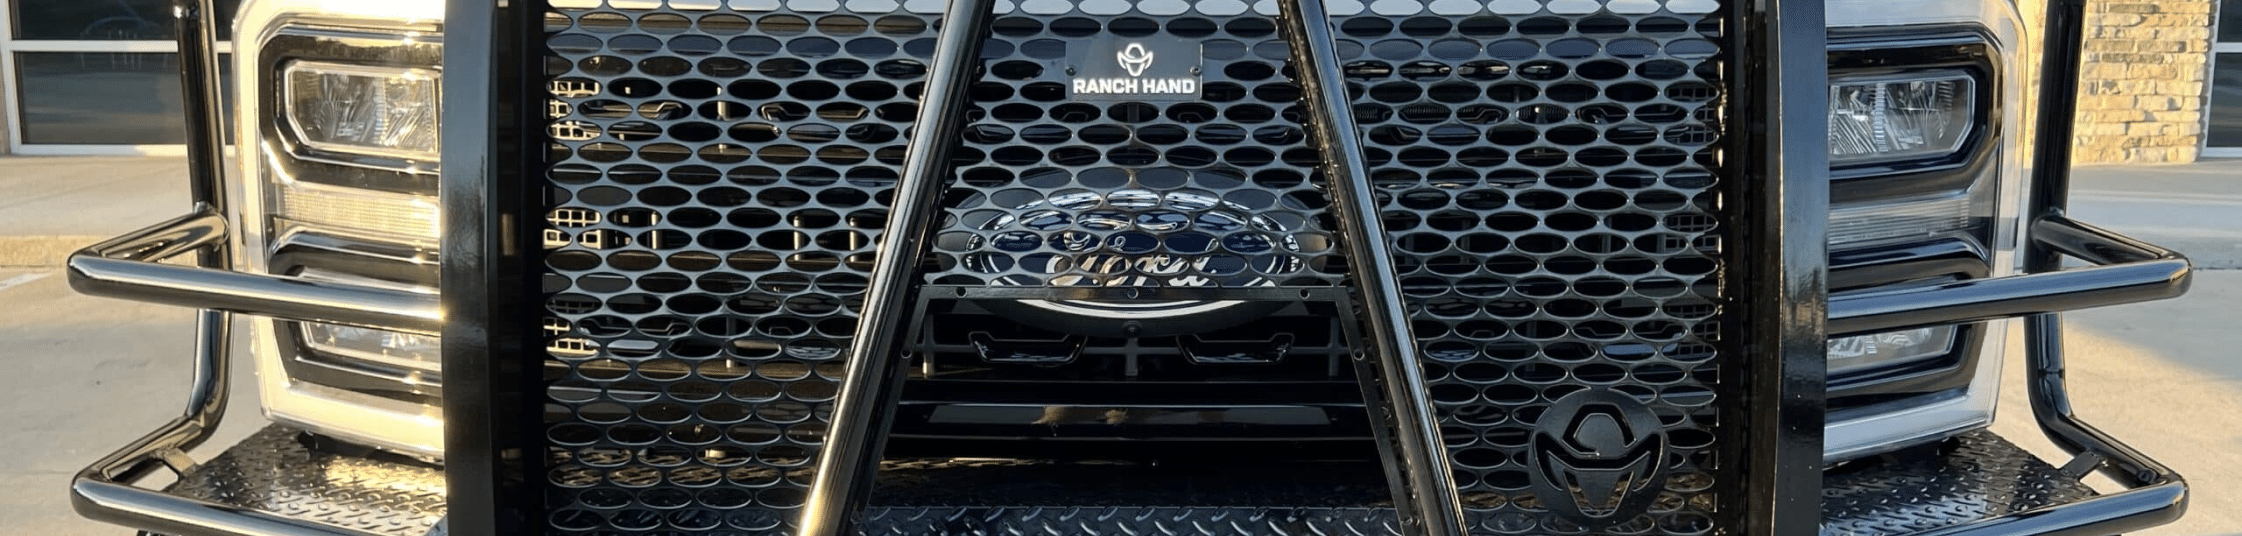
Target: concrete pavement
x,y
85,376
50,206
2196,209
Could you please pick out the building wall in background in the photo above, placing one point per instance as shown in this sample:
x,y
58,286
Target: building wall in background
x,y
2142,93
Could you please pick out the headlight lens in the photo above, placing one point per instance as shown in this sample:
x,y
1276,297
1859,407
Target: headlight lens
x,y
365,110
1900,117
416,352
1853,354
416,358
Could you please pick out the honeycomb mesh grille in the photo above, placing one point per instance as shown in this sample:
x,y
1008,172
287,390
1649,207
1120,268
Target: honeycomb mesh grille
x,y
720,172
719,179
1056,190
1546,183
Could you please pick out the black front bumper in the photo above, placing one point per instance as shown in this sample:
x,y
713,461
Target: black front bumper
x,y
1976,484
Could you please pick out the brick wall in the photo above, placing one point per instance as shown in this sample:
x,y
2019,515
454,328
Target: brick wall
x,y
2141,94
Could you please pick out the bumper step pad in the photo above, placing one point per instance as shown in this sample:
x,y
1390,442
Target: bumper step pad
x,y
1977,476
272,471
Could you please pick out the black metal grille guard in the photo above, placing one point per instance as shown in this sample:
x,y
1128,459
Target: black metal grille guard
x,y
2124,271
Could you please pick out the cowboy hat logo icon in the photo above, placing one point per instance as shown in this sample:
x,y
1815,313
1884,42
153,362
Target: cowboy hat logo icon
x,y
1135,58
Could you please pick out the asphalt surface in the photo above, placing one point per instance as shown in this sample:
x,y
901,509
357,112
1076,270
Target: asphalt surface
x,y
90,374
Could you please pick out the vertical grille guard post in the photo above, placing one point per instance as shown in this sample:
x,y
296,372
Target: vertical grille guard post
x,y
491,253
1780,263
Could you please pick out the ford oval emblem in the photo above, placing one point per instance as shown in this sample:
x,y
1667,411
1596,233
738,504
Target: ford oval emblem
x,y
1599,457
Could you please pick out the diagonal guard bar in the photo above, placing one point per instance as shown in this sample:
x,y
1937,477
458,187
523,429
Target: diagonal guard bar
x,y
850,455
1394,386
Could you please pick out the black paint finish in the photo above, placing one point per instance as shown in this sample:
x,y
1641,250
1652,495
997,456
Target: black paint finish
x,y
1780,97
1394,391
864,409
491,201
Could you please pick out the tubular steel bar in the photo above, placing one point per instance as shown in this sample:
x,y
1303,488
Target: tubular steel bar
x,y
206,139
2129,271
1778,261
1417,459
850,456
491,205
128,267
196,23
119,267
2160,494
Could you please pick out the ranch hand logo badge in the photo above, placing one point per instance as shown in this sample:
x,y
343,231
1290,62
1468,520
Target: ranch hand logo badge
x,y
1599,457
1135,58
1115,68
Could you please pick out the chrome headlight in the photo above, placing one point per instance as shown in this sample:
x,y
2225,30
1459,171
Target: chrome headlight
x,y
338,130
1923,146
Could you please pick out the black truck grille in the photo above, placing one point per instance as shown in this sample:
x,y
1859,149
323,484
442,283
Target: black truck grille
x,y
1548,191
1212,191
720,179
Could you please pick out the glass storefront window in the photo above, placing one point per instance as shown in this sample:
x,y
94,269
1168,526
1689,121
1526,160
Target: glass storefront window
x,y
2225,113
101,98
96,72
2230,21
104,20
2222,112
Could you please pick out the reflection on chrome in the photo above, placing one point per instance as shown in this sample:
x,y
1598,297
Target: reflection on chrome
x,y
1136,238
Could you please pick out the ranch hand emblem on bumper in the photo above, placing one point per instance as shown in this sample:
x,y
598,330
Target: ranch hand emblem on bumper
x,y
1599,457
